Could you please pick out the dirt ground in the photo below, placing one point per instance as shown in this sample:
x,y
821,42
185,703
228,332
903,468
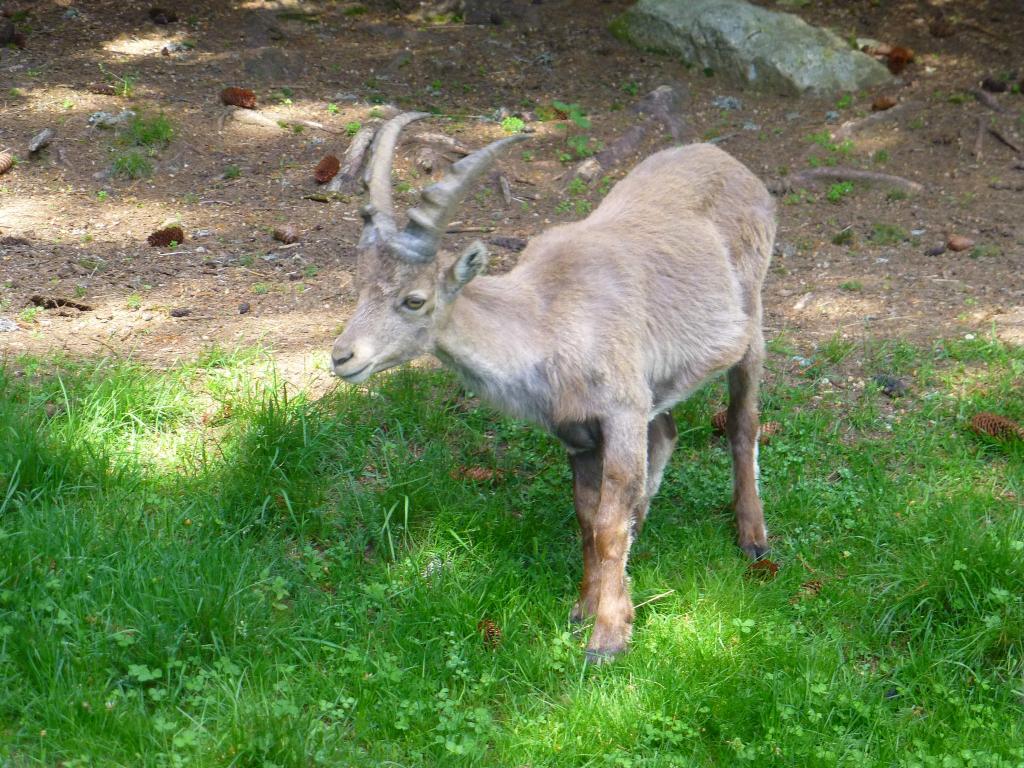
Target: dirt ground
x,y
856,266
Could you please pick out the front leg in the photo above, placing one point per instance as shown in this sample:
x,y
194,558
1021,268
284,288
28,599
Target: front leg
x,y
623,483
586,488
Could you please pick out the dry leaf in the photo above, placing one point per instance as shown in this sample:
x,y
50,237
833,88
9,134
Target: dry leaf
x,y
763,570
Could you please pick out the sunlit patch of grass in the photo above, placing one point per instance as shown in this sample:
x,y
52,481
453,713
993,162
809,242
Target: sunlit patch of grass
x,y
199,566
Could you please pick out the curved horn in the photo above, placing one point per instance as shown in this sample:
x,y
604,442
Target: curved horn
x,y
419,241
379,211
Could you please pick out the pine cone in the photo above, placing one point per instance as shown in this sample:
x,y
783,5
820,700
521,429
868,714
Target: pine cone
x,y
719,420
326,169
164,237
287,234
239,97
6,162
491,633
996,426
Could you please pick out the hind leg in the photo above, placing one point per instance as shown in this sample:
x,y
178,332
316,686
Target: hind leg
x,y
662,436
743,427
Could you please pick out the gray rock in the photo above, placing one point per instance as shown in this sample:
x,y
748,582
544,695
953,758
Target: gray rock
x,y
771,51
7,326
109,120
727,102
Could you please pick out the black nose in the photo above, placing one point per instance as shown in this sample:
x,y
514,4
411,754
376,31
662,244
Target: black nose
x,y
342,359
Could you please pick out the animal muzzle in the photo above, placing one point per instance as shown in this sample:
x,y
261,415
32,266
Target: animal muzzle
x,y
352,362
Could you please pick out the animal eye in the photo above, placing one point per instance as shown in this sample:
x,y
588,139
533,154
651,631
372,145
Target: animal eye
x,y
414,302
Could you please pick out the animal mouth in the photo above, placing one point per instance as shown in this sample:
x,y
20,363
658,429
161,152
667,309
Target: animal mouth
x,y
357,376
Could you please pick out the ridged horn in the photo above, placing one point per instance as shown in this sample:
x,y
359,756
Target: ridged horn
x,y
379,212
419,241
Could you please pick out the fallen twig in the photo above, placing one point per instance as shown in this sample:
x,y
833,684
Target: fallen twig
x,y
989,101
662,105
457,230
850,127
346,182
979,139
271,120
1006,140
650,600
839,173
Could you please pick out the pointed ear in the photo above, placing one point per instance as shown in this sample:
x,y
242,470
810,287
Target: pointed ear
x,y
471,262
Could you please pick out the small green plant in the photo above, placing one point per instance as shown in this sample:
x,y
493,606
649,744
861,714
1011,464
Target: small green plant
x,y
512,125
102,195
150,131
260,289
916,124
851,286
332,108
132,165
798,196
895,195
631,88
844,101
880,157
30,314
528,155
67,104
836,192
353,127
232,172
577,187
843,237
124,85
355,10
310,271
134,302
985,251
79,291
283,95
573,112
957,97
888,234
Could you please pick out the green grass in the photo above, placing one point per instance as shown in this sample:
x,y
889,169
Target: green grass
x,y
198,567
131,165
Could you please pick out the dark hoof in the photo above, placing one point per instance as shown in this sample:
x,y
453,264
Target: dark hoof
x,y
757,551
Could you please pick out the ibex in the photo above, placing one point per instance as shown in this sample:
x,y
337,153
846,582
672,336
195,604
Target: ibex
x,y
602,326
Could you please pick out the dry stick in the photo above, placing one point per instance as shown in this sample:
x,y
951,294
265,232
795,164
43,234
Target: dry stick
x,y
650,600
271,120
1006,140
990,101
847,129
348,178
979,139
506,189
662,105
848,174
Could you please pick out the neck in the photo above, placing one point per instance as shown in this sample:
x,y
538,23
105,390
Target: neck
x,y
490,340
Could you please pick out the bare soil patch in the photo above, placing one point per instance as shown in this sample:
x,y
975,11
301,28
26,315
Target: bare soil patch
x,y
851,260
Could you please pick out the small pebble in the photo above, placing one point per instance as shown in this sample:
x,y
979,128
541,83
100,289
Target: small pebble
x,y
832,116
890,385
243,308
180,312
936,250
